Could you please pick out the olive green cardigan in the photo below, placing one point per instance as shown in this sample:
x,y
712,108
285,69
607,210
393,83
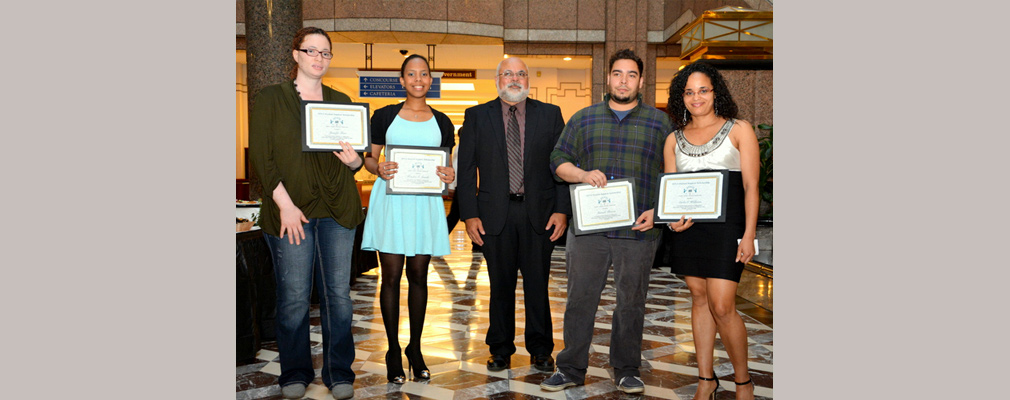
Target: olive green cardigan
x,y
318,183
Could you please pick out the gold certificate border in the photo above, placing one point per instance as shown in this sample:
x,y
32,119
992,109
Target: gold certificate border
x,y
578,226
349,110
715,204
439,160
627,195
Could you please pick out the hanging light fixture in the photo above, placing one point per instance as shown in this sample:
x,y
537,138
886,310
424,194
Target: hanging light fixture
x,y
727,33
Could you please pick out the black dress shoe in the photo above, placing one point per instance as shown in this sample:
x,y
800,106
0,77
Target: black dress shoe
x,y
497,363
543,362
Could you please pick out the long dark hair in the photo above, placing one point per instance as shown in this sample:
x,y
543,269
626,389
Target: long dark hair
x,y
724,105
297,44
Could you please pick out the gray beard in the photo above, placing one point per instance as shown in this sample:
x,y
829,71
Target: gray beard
x,y
513,98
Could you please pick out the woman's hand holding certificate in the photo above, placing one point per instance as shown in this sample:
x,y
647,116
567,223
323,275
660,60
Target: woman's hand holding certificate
x,y
420,170
698,195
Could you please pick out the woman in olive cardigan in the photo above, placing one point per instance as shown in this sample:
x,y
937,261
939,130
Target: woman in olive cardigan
x,y
310,211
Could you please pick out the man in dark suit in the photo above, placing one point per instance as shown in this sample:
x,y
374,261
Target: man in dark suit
x,y
516,211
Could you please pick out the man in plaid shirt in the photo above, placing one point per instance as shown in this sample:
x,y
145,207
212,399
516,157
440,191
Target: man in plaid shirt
x,y
614,139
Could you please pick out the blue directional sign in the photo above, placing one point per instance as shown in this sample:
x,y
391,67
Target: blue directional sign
x,y
370,85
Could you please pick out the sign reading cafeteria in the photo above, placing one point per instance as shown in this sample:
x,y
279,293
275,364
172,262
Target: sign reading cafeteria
x,y
386,84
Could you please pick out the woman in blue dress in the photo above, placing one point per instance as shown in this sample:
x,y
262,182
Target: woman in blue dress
x,y
406,227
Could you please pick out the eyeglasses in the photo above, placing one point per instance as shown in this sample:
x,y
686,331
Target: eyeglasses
x,y
313,52
701,92
517,75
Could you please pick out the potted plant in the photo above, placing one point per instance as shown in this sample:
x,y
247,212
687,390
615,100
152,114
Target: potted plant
x,y
765,176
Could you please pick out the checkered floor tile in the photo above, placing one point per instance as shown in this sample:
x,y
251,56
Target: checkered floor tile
x,y
455,352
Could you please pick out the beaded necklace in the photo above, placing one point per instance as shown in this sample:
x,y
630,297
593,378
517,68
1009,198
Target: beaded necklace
x,y
698,151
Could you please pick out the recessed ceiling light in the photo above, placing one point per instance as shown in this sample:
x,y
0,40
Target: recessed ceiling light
x,y
505,56
568,59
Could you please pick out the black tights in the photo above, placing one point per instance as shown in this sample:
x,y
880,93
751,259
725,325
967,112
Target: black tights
x,y
417,295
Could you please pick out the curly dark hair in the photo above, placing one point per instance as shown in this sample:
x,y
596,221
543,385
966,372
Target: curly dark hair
x,y
403,67
724,105
296,44
627,54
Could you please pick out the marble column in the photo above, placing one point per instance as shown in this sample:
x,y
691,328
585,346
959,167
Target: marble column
x,y
270,26
627,28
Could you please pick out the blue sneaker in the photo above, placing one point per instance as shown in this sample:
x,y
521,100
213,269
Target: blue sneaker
x,y
557,382
631,384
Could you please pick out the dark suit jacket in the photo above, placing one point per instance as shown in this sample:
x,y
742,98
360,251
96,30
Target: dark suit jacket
x,y
482,150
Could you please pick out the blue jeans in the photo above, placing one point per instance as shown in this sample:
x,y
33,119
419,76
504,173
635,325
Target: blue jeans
x,y
325,257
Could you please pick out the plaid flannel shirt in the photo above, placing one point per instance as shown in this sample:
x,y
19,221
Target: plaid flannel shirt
x,y
630,148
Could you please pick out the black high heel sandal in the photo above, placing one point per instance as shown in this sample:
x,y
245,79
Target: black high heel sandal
x,y
749,382
416,363
394,367
717,385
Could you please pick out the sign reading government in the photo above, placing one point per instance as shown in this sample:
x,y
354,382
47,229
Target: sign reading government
x,y
386,84
460,74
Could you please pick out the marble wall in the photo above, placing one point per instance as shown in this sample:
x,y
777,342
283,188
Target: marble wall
x,y
752,91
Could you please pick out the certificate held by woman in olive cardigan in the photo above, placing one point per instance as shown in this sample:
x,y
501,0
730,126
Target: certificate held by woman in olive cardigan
x,y
326,124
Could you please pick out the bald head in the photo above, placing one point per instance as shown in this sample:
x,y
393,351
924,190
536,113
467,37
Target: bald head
x,y
512,80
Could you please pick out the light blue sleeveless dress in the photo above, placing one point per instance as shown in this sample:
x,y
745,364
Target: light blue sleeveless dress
x,y
405,223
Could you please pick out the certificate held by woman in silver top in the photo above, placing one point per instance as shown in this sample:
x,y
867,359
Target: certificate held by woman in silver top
x,y
698,195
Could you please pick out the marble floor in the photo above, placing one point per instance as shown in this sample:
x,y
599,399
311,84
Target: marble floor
x,y
455,352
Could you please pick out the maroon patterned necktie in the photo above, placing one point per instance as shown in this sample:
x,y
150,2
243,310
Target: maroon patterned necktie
x,y
515,153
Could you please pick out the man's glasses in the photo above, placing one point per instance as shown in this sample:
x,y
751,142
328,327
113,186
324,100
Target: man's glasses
x,y
517,75
313,52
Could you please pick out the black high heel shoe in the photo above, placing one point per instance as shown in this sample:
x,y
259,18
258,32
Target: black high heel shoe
x,y
749,382
394,367
416,363
717,385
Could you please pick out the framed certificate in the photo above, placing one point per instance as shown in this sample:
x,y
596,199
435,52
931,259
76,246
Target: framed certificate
x,y
416,173
603,209
327,123
698,195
